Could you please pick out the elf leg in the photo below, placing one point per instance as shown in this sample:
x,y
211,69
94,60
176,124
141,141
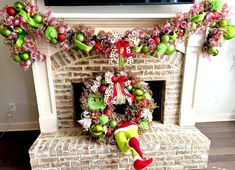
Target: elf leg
x,y
133,141
127,140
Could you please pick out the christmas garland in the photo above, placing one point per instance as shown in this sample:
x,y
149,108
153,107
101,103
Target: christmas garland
x,y
112,98
23,25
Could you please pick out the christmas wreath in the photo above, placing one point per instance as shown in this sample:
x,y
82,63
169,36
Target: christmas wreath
x,y
112,98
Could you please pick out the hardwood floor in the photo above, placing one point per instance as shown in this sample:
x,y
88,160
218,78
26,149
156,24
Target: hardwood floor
x,y
14,148
222,136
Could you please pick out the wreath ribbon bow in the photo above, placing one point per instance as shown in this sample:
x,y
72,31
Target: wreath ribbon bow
x,y
124,48
120,47
116,93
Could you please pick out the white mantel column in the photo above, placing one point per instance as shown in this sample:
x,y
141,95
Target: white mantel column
x,y
193,51
44,88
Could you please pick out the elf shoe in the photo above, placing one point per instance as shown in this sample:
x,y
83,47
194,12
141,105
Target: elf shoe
x,y
141,164
134,143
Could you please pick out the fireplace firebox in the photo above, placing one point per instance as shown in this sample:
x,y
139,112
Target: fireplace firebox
x,y
158,90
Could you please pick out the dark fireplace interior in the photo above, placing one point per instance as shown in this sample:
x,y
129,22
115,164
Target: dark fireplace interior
x,y
157,87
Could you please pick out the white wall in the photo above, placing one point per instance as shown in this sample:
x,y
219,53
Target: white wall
x,y
16,86
215,94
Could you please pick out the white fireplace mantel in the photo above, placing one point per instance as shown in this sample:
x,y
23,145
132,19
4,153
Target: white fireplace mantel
x,y
43,80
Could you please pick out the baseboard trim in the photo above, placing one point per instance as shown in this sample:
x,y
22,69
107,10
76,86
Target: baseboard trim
x,y
19,126
215,117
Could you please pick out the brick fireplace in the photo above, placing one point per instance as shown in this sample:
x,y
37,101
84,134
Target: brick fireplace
x,y
62,145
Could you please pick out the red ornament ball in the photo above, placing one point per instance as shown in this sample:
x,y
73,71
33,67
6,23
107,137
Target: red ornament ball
x,y
102,89
157,40
11,11
61,37
108,112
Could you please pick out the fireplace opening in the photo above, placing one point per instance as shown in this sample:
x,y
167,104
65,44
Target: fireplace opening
x,y
157,87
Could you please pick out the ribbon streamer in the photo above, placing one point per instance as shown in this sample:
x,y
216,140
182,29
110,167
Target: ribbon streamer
x,y
29,20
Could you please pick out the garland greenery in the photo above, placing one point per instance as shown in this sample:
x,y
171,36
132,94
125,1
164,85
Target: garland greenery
x,y
22,25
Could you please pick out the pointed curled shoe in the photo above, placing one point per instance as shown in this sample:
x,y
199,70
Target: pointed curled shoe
x,y
141,164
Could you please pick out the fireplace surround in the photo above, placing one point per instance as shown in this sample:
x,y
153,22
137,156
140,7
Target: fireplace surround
x,y
61,145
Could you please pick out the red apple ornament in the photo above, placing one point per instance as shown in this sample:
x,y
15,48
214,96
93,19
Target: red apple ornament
x,y
61,37
157,39
11,11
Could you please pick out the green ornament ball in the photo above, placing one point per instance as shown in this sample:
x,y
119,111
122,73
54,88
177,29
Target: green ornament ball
x,y
146,49
38,18
138,98
16,58
54,41
96,130
161,48
24,56
80,37
18,6
139,92
165,38
173,36
198,18
113,123
129,88
223,23
136,49
229,32
51,32
18,29
170,49
213,51
103,119
5,32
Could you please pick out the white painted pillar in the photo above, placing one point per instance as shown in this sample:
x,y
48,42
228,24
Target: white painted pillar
x,y
193,50
44,88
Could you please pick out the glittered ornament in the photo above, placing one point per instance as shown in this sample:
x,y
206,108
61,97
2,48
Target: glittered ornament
x,y
96,130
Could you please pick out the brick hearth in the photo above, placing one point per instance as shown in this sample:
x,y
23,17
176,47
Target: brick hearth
x,y
173,148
